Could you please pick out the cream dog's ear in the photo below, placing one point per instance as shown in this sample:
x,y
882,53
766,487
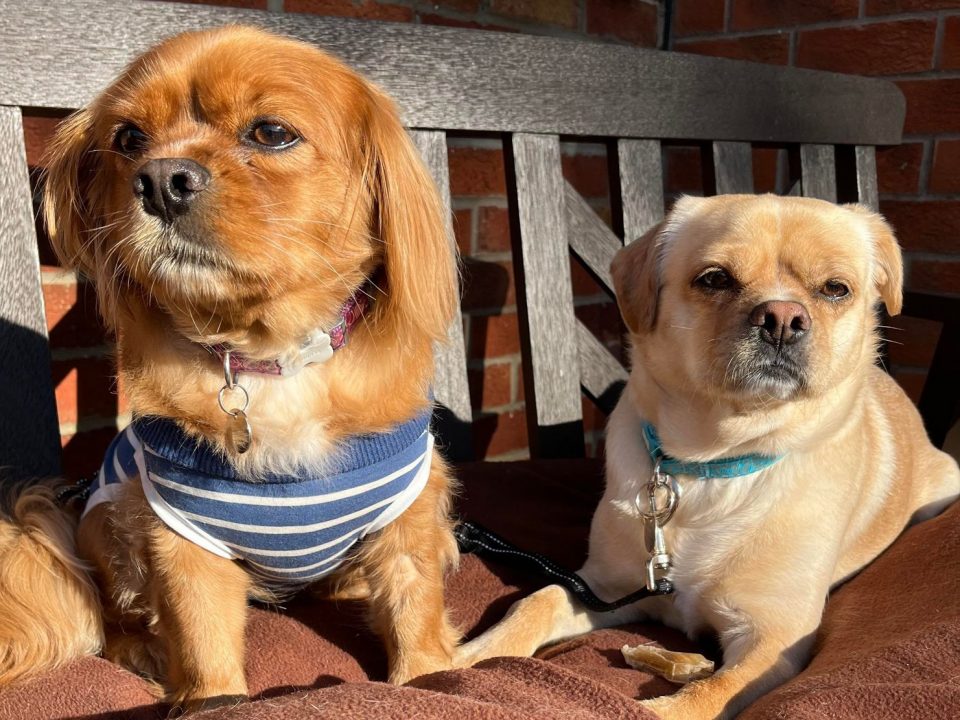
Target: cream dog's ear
x,y
636,280
888,261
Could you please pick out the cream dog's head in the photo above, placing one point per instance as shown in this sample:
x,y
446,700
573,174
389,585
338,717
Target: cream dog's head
x,y
757,299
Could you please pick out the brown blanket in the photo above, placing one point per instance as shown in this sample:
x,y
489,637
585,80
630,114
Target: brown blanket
x,y
889,647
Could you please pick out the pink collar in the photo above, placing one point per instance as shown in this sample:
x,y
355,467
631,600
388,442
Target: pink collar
x,y
317,347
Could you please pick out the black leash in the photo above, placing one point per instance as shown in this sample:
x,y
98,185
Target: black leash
x,y
80,490
473,538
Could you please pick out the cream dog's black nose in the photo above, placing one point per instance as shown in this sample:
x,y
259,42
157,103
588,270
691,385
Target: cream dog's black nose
x,y
780,322
168,186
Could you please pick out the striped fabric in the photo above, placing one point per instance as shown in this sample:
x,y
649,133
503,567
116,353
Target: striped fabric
x,y
290,530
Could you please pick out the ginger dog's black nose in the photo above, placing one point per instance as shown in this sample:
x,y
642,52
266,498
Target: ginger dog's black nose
x,y
167,187
780,322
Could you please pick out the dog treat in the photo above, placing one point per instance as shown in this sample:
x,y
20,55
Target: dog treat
x,y
677,667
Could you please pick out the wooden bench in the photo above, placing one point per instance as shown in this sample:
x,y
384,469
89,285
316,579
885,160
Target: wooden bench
x,y
532,92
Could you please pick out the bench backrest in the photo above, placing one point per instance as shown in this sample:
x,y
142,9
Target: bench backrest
x,y
531,91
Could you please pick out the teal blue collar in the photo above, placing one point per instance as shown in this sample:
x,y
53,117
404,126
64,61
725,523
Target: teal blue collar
x,y
723,468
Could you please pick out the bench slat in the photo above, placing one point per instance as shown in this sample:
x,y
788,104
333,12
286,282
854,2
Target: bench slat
x,y
450,382
60,54
29,432
601,374
732,167
818,172
551,363
590,237
641,185
867,190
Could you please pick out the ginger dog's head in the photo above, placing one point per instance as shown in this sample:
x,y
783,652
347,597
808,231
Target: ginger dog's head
x,y
240,187
758,299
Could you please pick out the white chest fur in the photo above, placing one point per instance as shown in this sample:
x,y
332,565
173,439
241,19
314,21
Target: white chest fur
x,y
715,521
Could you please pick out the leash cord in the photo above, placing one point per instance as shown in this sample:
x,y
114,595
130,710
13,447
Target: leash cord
x,y
476,539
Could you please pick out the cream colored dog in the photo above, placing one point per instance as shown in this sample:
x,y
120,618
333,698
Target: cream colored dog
x,y
753,330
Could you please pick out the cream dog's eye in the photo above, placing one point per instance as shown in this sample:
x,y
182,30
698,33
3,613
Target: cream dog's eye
x,y
273,135
130,140
834,290
715,279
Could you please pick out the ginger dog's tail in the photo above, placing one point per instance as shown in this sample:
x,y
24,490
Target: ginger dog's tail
x,y
49,607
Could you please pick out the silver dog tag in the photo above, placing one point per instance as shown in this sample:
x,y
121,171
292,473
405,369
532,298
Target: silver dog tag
x,y
239,434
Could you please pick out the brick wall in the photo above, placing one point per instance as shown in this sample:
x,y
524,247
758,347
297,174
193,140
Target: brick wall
x,y
90,404
915,43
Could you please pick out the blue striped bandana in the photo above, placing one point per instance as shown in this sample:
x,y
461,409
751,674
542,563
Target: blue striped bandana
x,y
290,530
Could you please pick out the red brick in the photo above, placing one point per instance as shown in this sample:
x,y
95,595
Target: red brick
x,y
493,336
463,230
443,20
72,318
888,48
37,131
85,387
754,14
584,285
930,226
935,276
683,170
603,320
889,7
950,52
467,6
945,174
493,229
83,452
587,174
365,9
547,12
487,284
254,4
635,21
491,386
898,167
912,341
765,165
692,17
912,383
477,171
769,49
499,434
932,105
594,419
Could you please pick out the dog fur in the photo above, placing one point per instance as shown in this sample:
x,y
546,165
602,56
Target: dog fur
x,y
277,243
753,557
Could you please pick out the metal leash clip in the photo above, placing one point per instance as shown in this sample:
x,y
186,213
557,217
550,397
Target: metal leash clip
x,y
656,503
239,434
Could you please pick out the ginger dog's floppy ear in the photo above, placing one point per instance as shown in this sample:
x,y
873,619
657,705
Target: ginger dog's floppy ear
x,y
888,260
636,280
70,166
68,212
420,263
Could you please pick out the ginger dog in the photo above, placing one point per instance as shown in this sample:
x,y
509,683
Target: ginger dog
x,y
271,252
754,337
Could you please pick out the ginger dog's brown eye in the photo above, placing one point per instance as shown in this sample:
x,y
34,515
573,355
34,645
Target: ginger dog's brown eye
x,y
272,135
834,290
131,140
715,279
